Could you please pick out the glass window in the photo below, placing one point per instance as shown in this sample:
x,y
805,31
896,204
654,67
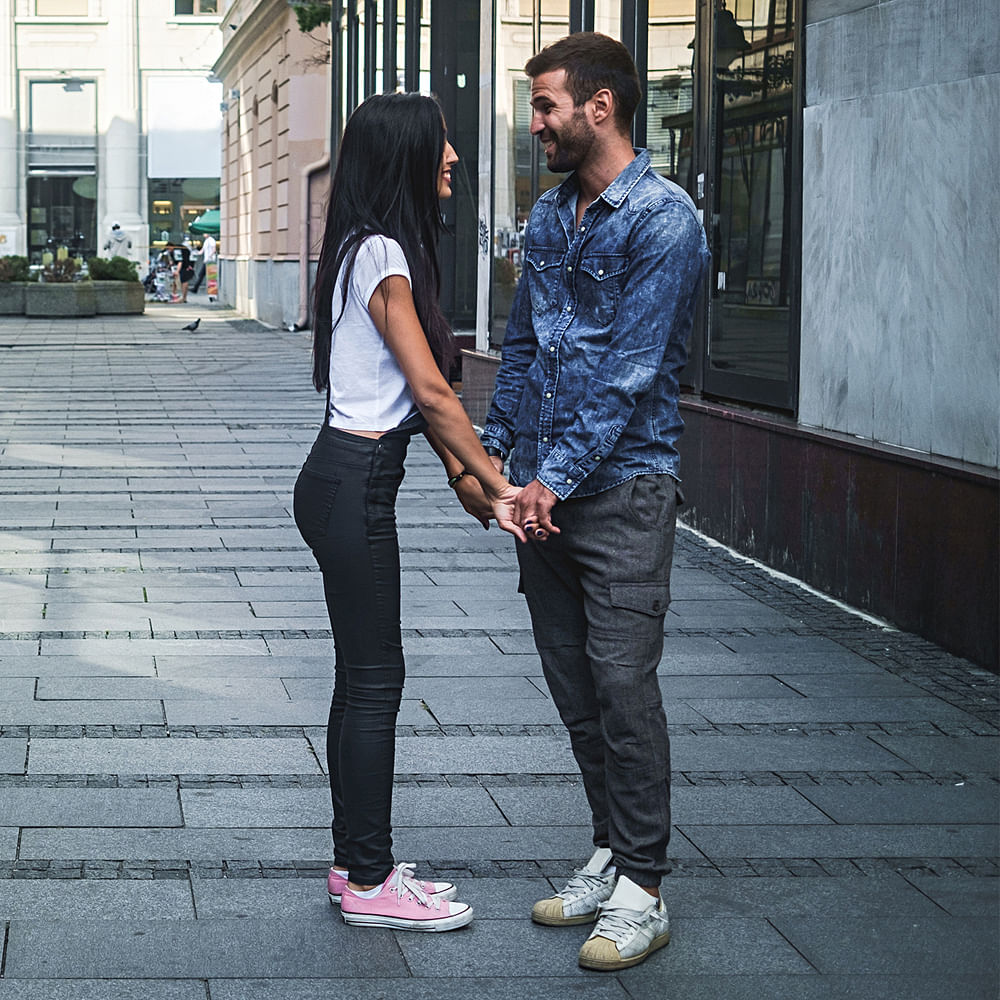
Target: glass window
x,y
62,216
752,283
519,177
184,8
61,8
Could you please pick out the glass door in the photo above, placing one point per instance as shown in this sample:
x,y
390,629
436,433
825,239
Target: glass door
x,y
752,334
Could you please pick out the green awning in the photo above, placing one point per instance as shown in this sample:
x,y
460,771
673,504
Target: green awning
x,y
207,222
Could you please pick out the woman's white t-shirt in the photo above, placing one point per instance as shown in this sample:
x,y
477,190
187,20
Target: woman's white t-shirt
x,y
368,391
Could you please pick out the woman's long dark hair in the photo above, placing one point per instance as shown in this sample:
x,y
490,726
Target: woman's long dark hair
x,y
386,183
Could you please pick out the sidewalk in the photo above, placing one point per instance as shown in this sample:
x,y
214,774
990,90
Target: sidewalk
x,y
165,671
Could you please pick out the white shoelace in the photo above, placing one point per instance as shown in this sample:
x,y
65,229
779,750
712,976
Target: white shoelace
x,y
582,882
617,922
403,881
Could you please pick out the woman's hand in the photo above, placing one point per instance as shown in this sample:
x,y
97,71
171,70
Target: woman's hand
x,y
503,510
473,500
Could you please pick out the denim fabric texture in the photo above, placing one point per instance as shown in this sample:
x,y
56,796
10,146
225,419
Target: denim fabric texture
x,y
345,510
586,396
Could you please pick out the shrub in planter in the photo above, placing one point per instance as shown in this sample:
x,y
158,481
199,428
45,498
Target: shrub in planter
x,y
117,286
115,269
14,272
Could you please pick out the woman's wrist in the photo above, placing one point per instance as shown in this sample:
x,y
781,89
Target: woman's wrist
x,y
453,481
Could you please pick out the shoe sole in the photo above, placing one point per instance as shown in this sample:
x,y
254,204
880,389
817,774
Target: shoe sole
x,y
403,924
626,963
583,918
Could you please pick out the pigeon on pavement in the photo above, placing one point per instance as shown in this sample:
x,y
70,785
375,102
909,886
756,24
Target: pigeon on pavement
x,y
192,326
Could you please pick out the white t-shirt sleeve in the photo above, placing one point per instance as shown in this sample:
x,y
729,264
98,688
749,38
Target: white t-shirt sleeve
x,y
378,258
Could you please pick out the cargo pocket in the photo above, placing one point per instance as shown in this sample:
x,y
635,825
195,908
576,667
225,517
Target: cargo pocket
x,y
313,503
651,599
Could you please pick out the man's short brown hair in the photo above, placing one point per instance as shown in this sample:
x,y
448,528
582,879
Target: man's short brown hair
x,y
593,62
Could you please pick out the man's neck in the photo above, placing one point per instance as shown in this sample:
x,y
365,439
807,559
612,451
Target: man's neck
x,y
601,169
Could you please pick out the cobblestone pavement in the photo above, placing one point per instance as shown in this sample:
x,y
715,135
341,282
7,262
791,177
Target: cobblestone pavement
x,y
165,669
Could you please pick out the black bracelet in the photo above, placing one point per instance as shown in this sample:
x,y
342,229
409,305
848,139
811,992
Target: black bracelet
x,y
454,479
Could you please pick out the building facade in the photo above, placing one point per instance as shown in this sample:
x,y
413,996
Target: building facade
x,y
106,115
842,397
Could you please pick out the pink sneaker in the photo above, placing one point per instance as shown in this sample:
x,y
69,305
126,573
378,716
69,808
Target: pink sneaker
x,y
402,904
336,883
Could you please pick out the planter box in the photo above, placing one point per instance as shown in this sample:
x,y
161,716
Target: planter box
x,y
120,297
12,298
56,299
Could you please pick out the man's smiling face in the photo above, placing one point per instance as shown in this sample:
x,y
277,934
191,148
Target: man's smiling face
x,y
564,129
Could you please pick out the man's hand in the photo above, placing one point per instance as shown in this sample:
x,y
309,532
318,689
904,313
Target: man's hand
x,y
473,500
533,510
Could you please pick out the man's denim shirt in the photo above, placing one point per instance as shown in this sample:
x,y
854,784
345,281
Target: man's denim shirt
x,y
586,394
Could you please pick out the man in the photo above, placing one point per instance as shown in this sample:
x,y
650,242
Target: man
x,y
118,242
207,257
586,405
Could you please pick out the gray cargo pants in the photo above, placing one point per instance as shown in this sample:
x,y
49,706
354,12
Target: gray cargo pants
x,y
597,593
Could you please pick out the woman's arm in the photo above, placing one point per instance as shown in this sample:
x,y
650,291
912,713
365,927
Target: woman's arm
x,y
470,494
395,317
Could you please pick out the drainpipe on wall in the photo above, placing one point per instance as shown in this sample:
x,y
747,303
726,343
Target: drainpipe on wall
x,y
321,164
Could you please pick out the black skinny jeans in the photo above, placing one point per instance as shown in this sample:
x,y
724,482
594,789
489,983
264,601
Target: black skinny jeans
x,y
345,509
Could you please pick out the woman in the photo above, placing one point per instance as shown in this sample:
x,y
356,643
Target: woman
x,y
381,348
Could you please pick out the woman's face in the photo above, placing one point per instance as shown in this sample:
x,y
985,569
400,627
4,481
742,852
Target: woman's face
x,y
444,174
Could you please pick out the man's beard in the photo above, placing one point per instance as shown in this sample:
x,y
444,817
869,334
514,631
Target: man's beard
x,y
572,143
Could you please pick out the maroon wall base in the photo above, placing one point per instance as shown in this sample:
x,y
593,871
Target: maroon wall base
x,y
909,539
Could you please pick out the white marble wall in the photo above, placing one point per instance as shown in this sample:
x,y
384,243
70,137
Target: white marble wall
x,y
900,335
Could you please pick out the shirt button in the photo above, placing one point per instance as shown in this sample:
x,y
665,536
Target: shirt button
x,y
570,268
548,395
541,263
600,271
551,350
544,439
568,480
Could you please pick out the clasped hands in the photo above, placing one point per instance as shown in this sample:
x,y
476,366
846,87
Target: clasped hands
x,y
523,512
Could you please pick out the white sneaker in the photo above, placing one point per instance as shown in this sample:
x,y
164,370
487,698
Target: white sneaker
x,y
578,901
628,929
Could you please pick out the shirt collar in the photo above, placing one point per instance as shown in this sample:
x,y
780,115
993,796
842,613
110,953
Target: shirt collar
x,y
618,190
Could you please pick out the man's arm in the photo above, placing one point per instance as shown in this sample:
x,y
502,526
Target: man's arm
x,y
666,260
519,348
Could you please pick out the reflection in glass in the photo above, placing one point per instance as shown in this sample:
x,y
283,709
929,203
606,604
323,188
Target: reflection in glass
x,y
751,135
520,175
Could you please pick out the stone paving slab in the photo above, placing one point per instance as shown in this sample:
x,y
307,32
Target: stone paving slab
x,y
886,895
197,949
144,688
246,667
310,807
567,805
187,756
88,807
12,755
275,712
797,709
540,987
893,945
815,987
112,649
970,897
876,840
496,665
963,754
88,899
100,989
717,752
75,666
185,844
8,841
963,803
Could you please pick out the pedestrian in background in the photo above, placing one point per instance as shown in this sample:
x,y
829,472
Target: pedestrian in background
x,y
208,251
587,398
118,243
381,353
184,270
